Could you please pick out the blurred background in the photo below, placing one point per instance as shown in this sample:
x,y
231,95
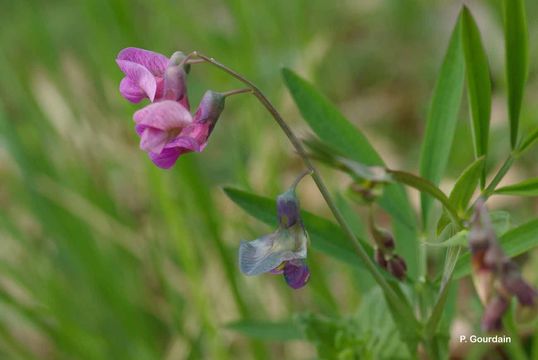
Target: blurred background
x,y
104,256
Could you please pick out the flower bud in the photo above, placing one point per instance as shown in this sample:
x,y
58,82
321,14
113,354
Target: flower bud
x,y
380,258
495,309
288,209
397,267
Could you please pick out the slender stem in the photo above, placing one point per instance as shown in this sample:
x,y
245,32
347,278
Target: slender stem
x,y
499,176
359,250
236,91
301,177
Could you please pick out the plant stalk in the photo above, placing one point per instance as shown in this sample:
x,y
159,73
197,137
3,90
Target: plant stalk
x,y
391,295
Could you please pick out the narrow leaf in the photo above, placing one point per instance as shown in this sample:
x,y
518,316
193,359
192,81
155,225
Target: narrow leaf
x,y
525,188
514,242
442,117
270,331
528,141
463,191
516,53
478,82
466,185
336,131
424,186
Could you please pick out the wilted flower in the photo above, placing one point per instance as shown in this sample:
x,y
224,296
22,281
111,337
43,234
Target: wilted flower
x,y
283,251
495,276
167,129
152,75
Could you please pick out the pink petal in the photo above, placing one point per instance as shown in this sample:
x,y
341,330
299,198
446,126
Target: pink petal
x,y
131,91
140,76
166,158
184,142
154,62
163,115
153,140
174,85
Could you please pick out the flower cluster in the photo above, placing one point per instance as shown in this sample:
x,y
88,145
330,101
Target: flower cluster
x,y
495,276
166,127
283,251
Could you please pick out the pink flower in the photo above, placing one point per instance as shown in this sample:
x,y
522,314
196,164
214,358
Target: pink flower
x,y
152,75
167,129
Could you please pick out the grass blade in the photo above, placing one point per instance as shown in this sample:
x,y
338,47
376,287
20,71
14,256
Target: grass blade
x,y
442,117
269,331
517,59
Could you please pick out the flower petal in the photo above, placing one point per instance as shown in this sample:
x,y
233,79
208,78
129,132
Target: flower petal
x,y
131,91
266,253
163,115
184,142
139,75
153,140
296,273
154,62
166,158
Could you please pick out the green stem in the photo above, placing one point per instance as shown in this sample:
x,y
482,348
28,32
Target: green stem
x,y
499,176
391,295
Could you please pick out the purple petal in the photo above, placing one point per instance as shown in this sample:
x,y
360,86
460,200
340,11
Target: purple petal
x,y
184,142
131,91
296,273
154,62
163,115
153,140
140,76
174,85
166,158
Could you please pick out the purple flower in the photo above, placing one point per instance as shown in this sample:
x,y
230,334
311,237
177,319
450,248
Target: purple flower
x,y
495,276
167,129
283,251
152,75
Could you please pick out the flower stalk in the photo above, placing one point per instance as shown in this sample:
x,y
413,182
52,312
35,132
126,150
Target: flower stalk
x,y
396,302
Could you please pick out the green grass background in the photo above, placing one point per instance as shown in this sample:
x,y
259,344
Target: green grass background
x,y
104,256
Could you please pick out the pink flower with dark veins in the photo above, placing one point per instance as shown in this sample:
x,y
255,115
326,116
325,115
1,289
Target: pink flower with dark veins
x,y
167,129
152,75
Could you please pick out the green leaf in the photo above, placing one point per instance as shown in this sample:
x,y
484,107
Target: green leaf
x,y
326,237
517,55
525,188
528,141
270,331
478,82
425,186
336,131
514,242
465,186
463,191
442,117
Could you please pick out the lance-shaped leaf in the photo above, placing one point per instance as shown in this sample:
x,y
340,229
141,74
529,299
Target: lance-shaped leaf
x,y
516,53
442,117
528,141
335,130
463,191
525,188
478,82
